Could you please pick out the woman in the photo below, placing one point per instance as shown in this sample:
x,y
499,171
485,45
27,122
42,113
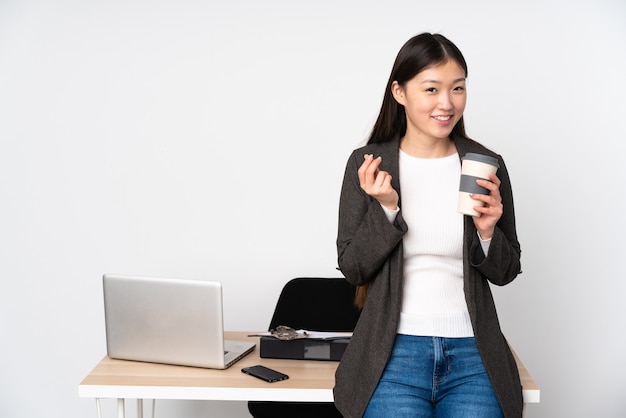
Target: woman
x,y
428,342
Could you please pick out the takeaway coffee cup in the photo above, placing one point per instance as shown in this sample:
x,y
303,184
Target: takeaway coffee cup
x,y
474,167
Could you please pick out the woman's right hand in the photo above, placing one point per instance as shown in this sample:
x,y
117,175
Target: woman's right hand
x,y
377,183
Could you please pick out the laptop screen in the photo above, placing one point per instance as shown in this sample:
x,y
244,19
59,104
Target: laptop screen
x,y
161,320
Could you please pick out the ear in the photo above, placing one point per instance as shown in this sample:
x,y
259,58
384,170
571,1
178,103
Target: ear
x,y
398,92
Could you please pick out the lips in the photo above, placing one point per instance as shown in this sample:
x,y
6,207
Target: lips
x,y
443,118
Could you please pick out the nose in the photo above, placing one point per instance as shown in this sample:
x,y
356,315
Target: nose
x,y
445,101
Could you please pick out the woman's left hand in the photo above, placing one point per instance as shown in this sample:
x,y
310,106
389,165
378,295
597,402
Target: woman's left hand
x,y
492,211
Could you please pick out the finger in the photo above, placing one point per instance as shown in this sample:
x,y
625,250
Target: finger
x,y
494,179
388,179
367,160
362,172
374,164
494,190
371,172
490,200
481,197
383,179
489,185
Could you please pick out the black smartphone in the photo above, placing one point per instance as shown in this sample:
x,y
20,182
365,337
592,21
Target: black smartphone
x,y
265,373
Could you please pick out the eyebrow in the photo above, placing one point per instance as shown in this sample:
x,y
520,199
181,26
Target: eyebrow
x,y
439,82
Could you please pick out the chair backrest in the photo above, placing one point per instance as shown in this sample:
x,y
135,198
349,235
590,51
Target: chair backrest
x,y
317,304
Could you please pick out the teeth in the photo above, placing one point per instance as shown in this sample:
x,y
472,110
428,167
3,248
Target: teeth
x,y
442,117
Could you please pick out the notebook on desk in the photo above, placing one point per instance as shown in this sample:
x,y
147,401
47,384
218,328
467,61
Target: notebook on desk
x,y
169,321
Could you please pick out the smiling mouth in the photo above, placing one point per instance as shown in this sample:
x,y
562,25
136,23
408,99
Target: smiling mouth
x,y
443,118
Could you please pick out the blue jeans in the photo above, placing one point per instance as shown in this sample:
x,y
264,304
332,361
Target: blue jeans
x,y
434,377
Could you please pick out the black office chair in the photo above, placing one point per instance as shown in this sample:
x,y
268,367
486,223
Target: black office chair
x,y
320,304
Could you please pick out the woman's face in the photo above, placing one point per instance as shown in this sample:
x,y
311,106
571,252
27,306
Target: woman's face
x,y
434,101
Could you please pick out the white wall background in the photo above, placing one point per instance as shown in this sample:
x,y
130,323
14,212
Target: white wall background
x,y
208,139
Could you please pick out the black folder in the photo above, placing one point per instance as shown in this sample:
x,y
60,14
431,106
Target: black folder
x,y
303,349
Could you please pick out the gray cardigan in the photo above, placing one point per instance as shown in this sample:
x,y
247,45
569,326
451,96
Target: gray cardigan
x,y
370,251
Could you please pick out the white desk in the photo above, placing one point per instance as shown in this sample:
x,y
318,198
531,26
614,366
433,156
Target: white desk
x,y
309,381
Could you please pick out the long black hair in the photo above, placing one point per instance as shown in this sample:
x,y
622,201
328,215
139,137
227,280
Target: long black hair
x,y
418,53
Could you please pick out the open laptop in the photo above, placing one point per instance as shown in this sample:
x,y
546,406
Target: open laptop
x,y
169,321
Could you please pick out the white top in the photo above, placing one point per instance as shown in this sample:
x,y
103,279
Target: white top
x,y
433,301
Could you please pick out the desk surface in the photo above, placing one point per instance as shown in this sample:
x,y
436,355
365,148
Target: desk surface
x,y
309,380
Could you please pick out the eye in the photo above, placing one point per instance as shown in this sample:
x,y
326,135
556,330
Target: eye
x,y
431,90
459,88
